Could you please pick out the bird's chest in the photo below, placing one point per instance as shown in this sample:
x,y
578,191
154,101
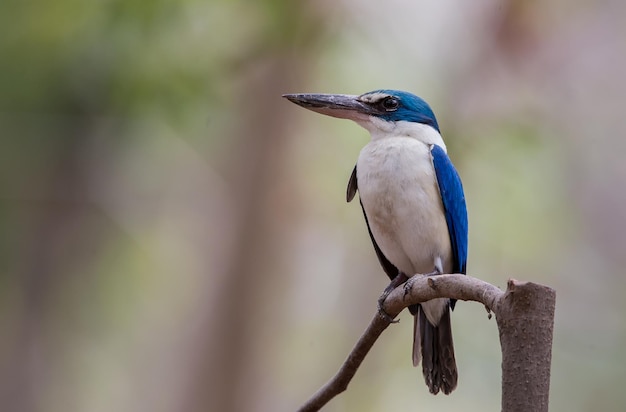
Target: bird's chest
x,y
395,174
400,196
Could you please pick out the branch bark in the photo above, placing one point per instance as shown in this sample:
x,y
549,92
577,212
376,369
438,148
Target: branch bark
x,y
525,318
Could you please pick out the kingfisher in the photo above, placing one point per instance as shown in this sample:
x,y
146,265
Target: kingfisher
x,y
414,207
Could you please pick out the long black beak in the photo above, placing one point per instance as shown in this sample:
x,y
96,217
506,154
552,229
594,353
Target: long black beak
x,y
343,106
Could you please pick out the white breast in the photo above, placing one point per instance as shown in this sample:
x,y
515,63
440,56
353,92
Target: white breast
x,y
400,195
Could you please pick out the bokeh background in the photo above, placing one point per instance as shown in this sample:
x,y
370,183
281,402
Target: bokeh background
x,y
174,235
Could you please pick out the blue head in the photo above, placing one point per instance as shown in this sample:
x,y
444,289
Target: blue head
x,y
388,105
396,105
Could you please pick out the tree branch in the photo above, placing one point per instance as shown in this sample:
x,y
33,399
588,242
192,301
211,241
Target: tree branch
x,y
525,322
524,314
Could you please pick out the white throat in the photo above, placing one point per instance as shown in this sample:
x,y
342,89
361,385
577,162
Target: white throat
x,y
381,129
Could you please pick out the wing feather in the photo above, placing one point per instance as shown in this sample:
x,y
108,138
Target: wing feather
x,y
453,199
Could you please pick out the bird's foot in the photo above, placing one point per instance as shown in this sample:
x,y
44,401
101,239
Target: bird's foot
x,y
382,313
395,282
409,283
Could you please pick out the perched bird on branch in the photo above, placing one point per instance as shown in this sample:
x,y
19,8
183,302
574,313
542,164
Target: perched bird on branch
x,y
414,208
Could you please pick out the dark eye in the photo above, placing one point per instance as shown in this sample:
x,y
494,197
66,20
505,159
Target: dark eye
x,y
390,104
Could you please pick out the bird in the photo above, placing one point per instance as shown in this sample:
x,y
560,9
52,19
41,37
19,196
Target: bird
x,y
414,207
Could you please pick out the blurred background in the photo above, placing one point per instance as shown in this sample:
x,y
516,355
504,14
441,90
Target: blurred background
x,y
174,235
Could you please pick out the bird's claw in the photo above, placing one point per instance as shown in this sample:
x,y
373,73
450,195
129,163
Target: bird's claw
x,y
407,285
383,314
395,282
409,282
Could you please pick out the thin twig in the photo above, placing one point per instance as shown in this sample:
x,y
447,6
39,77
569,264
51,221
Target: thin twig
x,y
340,381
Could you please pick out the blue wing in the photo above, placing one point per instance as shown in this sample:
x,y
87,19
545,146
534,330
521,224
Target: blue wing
x,y
453,198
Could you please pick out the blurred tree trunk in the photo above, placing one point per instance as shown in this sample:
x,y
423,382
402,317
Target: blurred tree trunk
x,y
221,379
45,270
218,381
